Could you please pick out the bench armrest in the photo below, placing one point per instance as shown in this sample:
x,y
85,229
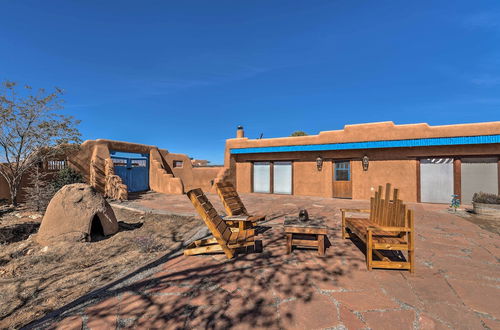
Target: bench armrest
x,y
355,210
391,229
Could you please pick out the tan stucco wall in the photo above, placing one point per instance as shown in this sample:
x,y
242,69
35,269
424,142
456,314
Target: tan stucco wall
x,y
244,177
402,174
308,181
161,178
4,189
203,177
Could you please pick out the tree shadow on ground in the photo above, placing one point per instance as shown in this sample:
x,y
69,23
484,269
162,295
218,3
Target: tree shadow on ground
x,y
209,291
41,282
139,195
392,255
18,232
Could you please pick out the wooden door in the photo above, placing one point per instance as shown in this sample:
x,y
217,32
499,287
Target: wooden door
x,y
342,184
134,172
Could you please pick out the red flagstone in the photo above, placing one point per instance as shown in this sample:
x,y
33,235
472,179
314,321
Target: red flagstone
x,y
318,313
455,284
390,320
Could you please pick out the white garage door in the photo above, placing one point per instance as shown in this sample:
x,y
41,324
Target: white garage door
x,y
478,174
436,180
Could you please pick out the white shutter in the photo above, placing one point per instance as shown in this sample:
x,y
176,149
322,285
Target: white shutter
x,y
262,177
436,180
282,179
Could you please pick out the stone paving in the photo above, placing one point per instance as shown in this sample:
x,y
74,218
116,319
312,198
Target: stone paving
x,y
456,284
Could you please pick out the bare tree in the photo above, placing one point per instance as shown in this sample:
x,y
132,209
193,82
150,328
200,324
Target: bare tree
x,y
31,131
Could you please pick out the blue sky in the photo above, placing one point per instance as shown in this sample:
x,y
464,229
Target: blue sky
x,y
183,74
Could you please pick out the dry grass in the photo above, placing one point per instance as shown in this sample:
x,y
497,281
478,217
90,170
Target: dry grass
x,y
35,280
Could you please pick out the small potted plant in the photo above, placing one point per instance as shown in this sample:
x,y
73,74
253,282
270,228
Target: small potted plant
x,y
455,202
486,204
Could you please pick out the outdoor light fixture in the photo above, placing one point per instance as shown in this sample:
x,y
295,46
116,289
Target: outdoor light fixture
x,y
366,161
319,163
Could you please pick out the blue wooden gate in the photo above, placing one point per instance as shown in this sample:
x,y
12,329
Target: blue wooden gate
x,y
134,172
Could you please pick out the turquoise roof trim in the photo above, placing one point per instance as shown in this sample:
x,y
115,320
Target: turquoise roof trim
x,y
446,141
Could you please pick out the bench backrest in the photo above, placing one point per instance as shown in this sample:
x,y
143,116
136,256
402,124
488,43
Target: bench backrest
x,y
230,199
385,212
214,222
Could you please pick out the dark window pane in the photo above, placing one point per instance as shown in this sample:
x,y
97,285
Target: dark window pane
x,y
342,171
342,175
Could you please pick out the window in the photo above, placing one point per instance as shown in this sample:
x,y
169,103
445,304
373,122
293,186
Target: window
x,y
178,163
139,162
272,177
119,161
282,178
55,165
342,171
262,177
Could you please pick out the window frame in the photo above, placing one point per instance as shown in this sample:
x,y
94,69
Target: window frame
x,y
271,176
176,162
336,170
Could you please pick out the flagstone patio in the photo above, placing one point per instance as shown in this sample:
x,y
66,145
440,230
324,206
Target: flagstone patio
x,y
456,284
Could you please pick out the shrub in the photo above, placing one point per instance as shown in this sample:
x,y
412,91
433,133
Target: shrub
x,y
41,190
147,244
486,198
299,133
66,176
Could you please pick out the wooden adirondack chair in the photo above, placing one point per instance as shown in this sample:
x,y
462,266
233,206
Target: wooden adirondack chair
x,y
389,227
233,205
223,240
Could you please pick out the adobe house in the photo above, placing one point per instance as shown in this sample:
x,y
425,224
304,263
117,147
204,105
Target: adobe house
x,y
428,163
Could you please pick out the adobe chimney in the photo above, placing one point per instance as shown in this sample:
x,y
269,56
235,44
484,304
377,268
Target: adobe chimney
x,y
240,133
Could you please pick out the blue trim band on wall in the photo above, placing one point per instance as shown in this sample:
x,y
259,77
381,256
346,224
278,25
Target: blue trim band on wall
x,y
447,141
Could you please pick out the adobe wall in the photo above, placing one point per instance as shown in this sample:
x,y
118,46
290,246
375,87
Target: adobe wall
x,y
93,161
203,177
402,174
21,195
4,189
243,177
163,176
308,181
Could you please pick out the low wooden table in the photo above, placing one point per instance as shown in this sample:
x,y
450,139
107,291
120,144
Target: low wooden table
x,y
244,221
310,233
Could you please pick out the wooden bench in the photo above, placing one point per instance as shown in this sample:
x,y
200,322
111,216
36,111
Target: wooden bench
x,y
233,205
390,226
223,240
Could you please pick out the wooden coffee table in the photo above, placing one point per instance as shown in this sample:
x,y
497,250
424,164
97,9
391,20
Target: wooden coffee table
x,y
310,233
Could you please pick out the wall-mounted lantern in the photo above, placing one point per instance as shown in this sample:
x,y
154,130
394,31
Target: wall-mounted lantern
x,y
366,162
319,163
